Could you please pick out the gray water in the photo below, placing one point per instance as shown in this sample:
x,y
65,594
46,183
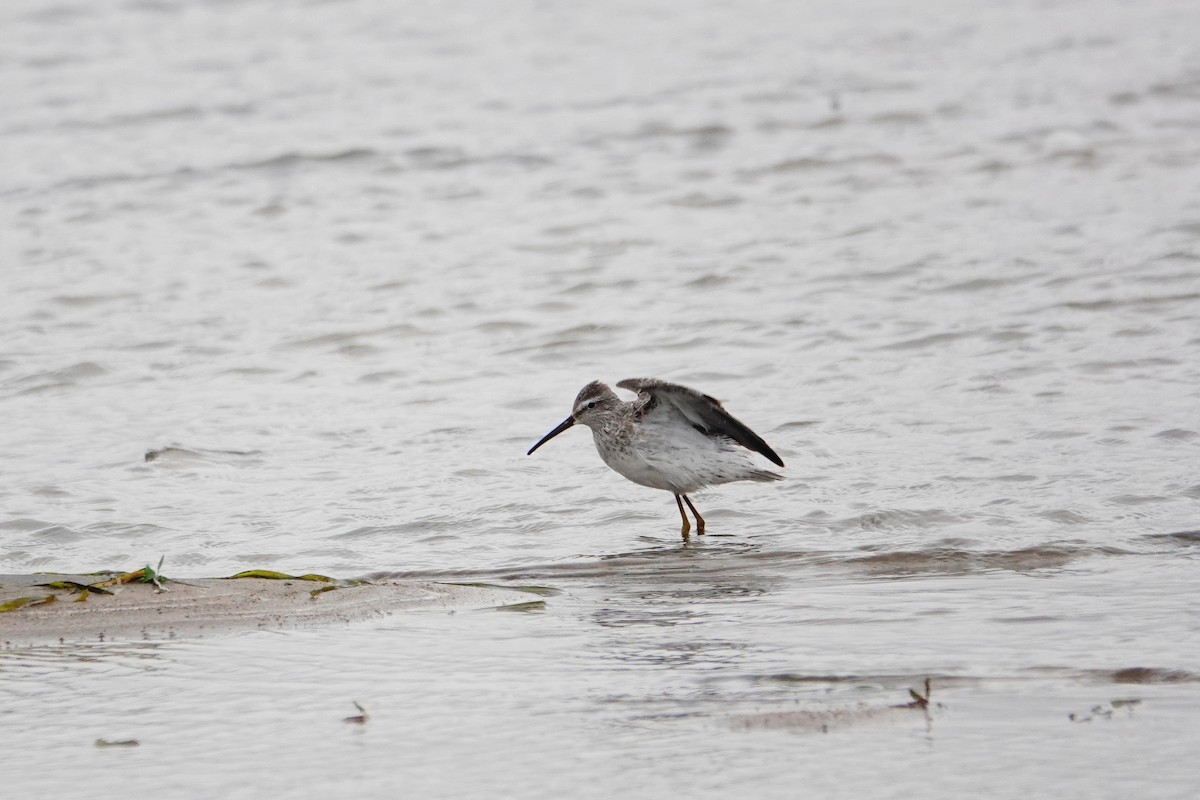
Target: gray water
x,y
341,263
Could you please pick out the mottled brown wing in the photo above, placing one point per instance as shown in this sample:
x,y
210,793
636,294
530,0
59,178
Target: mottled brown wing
x,y
701,410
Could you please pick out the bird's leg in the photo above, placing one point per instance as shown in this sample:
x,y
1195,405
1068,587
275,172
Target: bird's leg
x,y
699,519
687,525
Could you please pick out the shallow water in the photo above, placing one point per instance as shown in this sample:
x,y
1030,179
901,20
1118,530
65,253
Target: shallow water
x,y
336,266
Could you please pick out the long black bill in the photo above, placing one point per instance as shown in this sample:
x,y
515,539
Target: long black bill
x,y
566,423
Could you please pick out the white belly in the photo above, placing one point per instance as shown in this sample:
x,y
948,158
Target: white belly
x,y
675,457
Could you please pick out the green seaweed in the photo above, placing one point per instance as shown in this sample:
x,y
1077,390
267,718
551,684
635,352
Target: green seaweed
x,y
155,575
146,574
27,602
119,580
72,586
266,574
314,577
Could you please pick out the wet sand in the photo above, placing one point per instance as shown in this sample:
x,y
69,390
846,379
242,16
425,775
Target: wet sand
x,y
214,606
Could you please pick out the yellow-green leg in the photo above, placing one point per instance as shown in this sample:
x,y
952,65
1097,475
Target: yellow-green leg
x,y
687,525
699,519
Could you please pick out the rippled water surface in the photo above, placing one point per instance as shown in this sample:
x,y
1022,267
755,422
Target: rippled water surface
x,y
295,285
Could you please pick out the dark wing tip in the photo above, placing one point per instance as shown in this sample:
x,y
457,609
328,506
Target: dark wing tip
x,y
749,439
771,454
725,423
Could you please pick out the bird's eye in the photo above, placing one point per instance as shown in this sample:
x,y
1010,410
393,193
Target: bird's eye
x,y
592,404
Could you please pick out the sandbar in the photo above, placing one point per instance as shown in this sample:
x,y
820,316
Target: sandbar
x,y
217,606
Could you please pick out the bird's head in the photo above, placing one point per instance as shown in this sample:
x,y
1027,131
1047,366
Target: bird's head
x,y
592,405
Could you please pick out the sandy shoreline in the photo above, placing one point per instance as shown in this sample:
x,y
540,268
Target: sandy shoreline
x,y
215,606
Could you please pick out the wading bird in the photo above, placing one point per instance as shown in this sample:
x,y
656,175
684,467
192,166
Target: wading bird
x,y
671,438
